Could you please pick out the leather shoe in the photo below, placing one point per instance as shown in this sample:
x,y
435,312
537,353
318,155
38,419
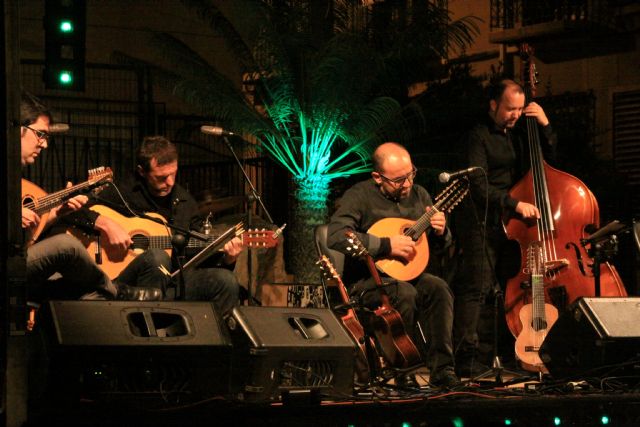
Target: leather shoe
x,y
407,381
137,293
444,378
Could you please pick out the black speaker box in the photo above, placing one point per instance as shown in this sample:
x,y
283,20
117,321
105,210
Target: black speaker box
x,y
168,350
285,351
594,337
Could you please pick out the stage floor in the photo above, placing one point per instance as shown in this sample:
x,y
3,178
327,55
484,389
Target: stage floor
x,y
582,402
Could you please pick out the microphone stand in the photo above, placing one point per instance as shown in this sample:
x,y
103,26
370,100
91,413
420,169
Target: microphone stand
x,y
251,199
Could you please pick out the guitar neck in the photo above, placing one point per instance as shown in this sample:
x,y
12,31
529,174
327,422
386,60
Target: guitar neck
x,y
421,224
537,291
371,264
46,203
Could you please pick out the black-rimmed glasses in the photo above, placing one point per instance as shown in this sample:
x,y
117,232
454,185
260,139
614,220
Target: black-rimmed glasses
x,y
399,182
40,134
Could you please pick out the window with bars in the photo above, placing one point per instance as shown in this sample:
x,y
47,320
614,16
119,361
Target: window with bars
x,y
626,141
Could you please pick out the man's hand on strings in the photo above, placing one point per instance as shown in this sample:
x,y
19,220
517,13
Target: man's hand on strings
x,y
116,239
535,110
232,250
438,222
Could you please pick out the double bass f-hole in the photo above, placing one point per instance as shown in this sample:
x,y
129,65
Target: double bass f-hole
x,y
578,256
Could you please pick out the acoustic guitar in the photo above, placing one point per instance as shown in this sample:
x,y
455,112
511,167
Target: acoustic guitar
x,y
37,200
406,270
396,346
351,324
538,317
148,234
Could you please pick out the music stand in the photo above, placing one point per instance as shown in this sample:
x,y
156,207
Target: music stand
x,y
212,247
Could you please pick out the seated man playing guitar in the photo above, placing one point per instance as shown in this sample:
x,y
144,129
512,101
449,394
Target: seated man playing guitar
x,y
153,190
62,254
428,299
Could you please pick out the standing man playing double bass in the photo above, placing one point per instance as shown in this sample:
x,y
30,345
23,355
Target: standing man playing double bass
x,y
501,149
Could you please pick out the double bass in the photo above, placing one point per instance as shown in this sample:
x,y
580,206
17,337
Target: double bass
x,y
567,210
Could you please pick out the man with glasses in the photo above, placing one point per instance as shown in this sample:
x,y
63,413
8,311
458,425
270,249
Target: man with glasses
x,y
60,253
391,192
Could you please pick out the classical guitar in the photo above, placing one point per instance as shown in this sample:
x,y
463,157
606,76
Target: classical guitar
x,y
37,200
538,317
396,346
148,234
406,270
351,323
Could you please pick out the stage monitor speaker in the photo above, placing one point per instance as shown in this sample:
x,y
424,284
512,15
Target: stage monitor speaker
x,y
174,351
594,337
284,351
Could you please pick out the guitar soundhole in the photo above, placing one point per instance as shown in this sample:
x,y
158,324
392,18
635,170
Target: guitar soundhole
x,y
539,324
140,242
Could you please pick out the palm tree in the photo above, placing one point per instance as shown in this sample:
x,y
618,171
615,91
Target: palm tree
x,y
319,106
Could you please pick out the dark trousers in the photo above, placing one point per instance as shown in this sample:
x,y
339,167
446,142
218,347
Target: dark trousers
x,y
428,301
477,278
218,285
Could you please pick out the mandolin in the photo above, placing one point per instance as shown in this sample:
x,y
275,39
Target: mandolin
x,y
407,270
37,200
396,346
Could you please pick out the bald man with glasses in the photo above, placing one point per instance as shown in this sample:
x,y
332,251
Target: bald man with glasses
x,y
391,192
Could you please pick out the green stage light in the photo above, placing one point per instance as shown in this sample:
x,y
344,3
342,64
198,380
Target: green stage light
x,y
457,422
66,26
507,421
604,420
406,424
65,77
557,421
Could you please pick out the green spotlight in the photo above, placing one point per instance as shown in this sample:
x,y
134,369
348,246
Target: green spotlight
x,y
66,26
557,421
507,421
604,420
406,424
457,422
65,77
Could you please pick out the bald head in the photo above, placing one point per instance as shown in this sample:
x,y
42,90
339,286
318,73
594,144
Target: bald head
x,y
390,155
393,170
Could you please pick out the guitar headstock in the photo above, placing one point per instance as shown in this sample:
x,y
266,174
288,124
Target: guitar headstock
x,y
452,195
355,247
264,238
327,268
99,177
535,259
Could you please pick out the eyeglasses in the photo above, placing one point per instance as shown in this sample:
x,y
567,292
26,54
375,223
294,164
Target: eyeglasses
x,y
399,182
40,134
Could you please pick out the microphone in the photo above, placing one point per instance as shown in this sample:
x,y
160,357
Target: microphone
x,y
59,128
215,130
278,232
445,177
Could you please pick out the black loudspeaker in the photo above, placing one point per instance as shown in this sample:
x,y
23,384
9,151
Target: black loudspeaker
x,y
594,337
173,351
280,352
